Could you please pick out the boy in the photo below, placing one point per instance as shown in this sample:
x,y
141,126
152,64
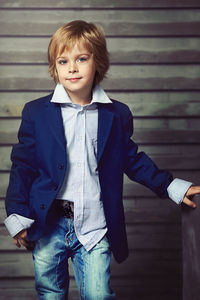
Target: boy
x,y
65,193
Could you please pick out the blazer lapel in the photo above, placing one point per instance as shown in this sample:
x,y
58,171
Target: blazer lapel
x,y
105,119
54,120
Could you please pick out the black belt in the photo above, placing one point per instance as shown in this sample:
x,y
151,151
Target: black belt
x,y
64,208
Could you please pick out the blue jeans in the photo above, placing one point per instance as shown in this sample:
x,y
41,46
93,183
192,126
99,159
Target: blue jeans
x,y
91,269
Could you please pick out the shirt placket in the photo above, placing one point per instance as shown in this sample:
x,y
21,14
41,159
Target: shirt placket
x,y
80,166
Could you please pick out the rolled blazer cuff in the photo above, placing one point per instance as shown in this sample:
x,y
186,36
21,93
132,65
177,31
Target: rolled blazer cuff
x,y
16,223
177,189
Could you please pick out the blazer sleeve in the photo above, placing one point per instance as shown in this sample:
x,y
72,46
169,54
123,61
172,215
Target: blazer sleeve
x,y
23,171
139,166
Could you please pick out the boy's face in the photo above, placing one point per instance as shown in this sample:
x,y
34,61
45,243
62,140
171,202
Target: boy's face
x,y
76,70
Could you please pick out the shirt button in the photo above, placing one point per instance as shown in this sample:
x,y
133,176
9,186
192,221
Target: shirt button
x,y
42,206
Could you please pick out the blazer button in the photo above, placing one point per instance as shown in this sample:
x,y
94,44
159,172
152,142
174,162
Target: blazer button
x,y
60,166
55,187
42,206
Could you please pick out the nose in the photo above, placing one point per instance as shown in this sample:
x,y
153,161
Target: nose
x,y
72,67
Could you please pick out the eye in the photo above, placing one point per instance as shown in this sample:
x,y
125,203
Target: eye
x,y
62,61
82,59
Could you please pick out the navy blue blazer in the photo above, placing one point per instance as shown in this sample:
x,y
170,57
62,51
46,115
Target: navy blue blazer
x,y
39,163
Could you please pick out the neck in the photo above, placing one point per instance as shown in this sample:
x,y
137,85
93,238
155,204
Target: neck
x,y
80,98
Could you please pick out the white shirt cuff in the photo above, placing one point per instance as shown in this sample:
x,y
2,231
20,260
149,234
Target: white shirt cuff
x,y
177,189
16,223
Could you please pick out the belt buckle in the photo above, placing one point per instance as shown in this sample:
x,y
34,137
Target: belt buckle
x,y
68,210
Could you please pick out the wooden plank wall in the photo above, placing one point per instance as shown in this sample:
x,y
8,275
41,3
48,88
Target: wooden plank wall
x,y
155,56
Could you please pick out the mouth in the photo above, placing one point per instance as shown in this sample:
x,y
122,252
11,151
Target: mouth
x,y
74,79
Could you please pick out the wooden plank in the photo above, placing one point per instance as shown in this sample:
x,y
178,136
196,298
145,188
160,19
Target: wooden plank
x,y
140,77
112,4
149,77
140,287
24,73
21,294
165,136
11,104
4,179
129,22
177,162
167,123
125,289
132,189
11,266
123,293
146,212
143,215
19,284
160,152
173,162
166,212
28,283
135,202
18,294
9,134
134,50
5,158
153,50
11,126
159,104
186,151
152,289
146,235
172,129
143,266
141,136
149,292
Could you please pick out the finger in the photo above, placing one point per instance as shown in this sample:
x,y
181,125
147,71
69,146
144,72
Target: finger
x,y
24,242
189,202
23,235
20,234
16,242
193,190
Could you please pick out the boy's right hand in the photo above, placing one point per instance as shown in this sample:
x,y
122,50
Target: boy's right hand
x,y
21,239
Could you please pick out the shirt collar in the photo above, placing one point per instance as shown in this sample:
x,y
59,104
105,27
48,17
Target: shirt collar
x,y
60,95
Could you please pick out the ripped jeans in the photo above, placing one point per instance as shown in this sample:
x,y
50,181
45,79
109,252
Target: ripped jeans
x,y
91,269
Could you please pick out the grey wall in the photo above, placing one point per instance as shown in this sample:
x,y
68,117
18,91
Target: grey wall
x,y
155,56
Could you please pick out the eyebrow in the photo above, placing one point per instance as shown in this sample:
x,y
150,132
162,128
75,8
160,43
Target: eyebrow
x,y
88,54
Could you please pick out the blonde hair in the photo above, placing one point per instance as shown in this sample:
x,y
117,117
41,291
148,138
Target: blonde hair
x,y
94,41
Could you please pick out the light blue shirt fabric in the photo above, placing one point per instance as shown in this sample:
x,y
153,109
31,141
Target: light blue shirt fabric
x,y
81,184
177,189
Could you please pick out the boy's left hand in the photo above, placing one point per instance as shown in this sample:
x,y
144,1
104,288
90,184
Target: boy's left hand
x,y
193,190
